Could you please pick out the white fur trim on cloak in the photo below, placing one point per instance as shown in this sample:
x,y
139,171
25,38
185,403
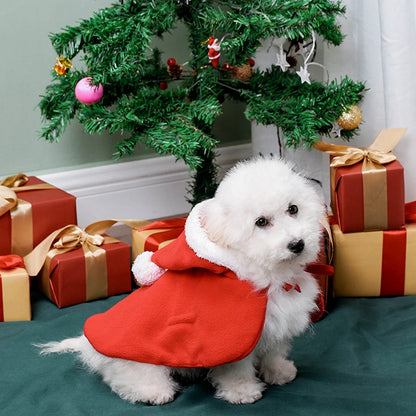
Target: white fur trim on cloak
x,y
146,272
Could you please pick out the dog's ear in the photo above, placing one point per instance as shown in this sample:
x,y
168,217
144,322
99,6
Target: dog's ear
x,y
212,218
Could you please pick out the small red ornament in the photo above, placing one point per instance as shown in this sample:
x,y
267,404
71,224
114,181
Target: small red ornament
x,y
163,85
171,62
251,62
214,51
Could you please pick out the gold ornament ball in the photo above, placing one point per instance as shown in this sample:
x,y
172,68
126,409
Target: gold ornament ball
x,y
351,119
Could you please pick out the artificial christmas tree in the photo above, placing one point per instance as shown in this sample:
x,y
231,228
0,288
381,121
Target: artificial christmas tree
x,y
171,108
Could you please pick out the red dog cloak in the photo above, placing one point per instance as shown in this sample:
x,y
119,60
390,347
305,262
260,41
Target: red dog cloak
x,y
197,314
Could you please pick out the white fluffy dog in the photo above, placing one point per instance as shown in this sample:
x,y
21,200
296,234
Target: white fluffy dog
x,y
264,225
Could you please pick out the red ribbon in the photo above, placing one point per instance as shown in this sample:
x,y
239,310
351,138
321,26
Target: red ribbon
x,y
11,261
393,266
288,286
393,263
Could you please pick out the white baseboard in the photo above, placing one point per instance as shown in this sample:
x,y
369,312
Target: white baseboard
x,y
142,189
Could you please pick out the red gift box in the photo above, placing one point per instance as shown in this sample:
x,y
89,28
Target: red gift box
x,y
367,185
69,278
78,265
34,215
378,205
156,234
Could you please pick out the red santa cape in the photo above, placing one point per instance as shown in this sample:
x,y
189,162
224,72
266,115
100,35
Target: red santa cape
x,y
198,314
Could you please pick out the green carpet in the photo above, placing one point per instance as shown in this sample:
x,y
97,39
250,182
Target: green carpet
x,y
359,360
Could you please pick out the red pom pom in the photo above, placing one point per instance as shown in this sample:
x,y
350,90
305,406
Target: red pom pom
x,y
163,85
171,61
250,62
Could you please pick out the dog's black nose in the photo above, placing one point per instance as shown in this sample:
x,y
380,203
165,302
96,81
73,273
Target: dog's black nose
x,y
296,246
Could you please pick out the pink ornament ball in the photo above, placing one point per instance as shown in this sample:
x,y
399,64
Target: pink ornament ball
x,y
88,94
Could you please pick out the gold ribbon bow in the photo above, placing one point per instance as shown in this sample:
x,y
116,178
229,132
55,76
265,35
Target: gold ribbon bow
x,y
72,237
8,198
75,237
377,154
14,181
373,172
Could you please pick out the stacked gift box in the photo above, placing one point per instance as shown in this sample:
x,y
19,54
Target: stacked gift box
x,y
374,237
40,238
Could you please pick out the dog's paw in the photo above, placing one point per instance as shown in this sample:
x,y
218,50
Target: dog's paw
x,y
149,394
140,382
280,371
244,392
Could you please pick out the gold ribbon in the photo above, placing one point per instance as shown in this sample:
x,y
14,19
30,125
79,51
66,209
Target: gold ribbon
x,y
14,181
374,158
378,153
12,184
14,282
16,295
70,238
8,198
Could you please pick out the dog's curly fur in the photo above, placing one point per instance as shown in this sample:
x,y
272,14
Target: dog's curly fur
x,y
263,224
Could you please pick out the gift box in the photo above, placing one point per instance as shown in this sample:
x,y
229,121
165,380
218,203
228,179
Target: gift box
x,y
156,235
76,277
30,210
14,289
367,185
375,263
78,265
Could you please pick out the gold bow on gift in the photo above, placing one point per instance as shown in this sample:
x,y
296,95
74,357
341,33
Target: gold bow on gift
x,y
70,238
8,198
377,154
14,181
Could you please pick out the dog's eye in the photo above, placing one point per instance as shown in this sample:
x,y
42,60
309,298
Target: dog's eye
x,y
293,209
262,222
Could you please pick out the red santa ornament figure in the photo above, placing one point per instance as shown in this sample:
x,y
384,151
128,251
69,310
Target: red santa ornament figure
x,y
214,51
